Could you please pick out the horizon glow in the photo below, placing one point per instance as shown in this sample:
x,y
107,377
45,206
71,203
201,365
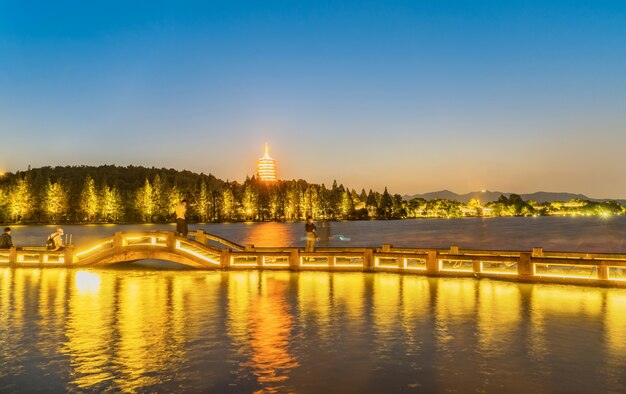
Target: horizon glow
x,y
415,96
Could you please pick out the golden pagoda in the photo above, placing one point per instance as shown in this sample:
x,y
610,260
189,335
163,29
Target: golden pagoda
x,y
266,167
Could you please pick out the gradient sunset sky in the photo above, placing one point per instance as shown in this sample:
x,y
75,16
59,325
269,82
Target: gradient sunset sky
x,y
414,95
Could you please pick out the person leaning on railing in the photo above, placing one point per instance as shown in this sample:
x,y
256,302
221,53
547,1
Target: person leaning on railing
x,y
6,242
55,241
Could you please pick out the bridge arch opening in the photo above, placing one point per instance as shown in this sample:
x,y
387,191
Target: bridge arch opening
x,y
150,264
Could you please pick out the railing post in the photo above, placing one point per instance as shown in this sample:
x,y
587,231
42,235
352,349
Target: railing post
x,y
225,258
170,241
12,256
368,260
294,259
524,266
118,240
454,250
69,255
537,252
603,271
387,248
201,237
249,248
432,262
476,264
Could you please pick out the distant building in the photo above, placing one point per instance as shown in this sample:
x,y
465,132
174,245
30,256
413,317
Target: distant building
x,y
266,167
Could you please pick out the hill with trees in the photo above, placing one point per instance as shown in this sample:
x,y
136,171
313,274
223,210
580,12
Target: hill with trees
x,y
113,194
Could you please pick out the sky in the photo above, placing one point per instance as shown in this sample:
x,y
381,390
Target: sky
x,y
417,96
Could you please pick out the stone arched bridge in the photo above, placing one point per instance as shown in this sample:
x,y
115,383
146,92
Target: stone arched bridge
x,y
206,251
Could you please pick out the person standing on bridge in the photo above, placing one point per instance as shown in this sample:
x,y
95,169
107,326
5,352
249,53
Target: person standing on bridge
x,y
6,242
311,231
181,219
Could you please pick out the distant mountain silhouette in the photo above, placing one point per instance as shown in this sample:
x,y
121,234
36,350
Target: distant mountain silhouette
x,y
488,196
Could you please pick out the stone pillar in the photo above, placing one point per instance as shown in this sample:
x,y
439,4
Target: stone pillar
x,y
201,237
69,255
476,266
432,262
294,259
225,258
12,256
603,271
368,260
524,266
118,240
171,240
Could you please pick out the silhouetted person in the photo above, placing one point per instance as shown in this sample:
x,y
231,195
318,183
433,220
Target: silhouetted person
x,y
311,230
55,240
181,219
6,242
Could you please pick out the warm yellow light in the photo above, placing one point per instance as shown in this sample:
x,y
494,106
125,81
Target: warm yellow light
x,y
92,249
87,282
266,167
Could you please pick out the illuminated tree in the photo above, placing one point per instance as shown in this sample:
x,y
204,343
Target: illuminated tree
x,y
292,202
89,204
112,208
203,202
371,204
228,203
310,201
475,205
4,202
249,201
385,207
160,198
275,203
172,198
144,202
347,205
55,202
20,200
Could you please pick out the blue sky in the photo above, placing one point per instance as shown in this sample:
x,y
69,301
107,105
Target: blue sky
x,y
413,95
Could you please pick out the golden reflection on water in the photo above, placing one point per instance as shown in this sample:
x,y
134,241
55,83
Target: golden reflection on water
x,y
88,327
499,306
269,234
142,331
270,333
348,295
314,301
386,304
455,304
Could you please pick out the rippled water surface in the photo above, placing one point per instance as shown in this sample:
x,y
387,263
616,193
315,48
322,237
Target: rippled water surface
x,y
311,332
584,234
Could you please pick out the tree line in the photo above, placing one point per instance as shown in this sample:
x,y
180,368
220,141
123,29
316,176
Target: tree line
x,y
112,194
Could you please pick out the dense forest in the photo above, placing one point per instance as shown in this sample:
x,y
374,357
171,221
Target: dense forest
x,y
112,194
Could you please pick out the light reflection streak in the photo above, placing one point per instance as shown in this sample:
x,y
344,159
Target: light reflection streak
x,y
498,316
270,323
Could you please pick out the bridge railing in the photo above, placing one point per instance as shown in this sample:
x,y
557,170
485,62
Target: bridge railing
x,y
36,257
536,265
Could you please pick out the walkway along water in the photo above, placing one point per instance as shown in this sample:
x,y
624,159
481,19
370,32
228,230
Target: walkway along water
x,y
207,251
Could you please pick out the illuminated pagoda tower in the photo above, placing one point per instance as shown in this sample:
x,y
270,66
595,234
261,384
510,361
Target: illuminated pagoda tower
x,y
266,167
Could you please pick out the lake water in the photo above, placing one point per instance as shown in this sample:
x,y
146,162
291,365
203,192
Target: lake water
x,y
309,332
137,329
584,234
